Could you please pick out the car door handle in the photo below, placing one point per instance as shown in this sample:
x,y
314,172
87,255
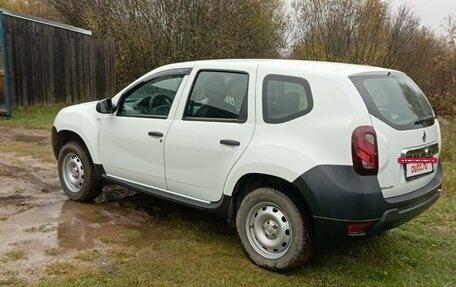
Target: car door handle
x,y
156,134
230,142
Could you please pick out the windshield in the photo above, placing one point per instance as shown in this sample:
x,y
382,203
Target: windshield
x,y
395,99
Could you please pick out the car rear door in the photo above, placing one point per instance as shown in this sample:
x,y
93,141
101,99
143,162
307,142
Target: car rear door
x,y
404,122
211,130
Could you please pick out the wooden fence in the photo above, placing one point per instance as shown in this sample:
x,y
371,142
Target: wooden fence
x,y
48,64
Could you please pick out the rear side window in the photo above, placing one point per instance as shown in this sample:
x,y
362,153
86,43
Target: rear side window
x,y
218,96
394,99
285,98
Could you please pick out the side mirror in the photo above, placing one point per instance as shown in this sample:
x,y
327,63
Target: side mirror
x,y
105,106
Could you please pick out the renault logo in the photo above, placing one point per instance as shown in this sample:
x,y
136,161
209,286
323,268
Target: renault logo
x,y
424,136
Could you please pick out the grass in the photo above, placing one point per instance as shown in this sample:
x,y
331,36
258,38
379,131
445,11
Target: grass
x,y
206,257
195,249
53,251
10,278
107,239
32,117
122,254
43,228
132,233
129,234
88,255
60,268
23,148
14,255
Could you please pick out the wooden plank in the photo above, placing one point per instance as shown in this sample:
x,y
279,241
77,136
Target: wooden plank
x,y
12,68
59,76
67,67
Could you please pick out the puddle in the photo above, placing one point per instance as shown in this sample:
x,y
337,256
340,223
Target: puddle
x,y
81,226
35,216
69,227
40,226
23,225
62,223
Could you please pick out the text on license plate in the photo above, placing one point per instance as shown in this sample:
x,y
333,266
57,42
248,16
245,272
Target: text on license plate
x,y
414,169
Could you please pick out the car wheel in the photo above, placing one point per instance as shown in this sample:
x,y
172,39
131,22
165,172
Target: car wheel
x,y
77,174
274,233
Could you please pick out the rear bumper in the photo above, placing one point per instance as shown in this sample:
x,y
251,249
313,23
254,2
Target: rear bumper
x,y
337,202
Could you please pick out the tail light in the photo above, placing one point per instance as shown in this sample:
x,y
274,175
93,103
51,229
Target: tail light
x,y
365,151
358,228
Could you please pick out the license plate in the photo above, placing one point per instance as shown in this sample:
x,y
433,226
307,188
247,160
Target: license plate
x,y
415,169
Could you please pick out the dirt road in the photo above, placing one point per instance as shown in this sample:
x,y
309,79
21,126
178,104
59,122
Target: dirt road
x,y
39,226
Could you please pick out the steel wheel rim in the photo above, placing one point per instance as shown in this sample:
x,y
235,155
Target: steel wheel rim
x,y
268,230
73,172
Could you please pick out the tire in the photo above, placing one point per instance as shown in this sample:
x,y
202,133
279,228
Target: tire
x,y
77,174
274,233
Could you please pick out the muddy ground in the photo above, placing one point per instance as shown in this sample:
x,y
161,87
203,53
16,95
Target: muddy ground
x,y
39,226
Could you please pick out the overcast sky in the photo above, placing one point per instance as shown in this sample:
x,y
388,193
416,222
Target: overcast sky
x,y
431,12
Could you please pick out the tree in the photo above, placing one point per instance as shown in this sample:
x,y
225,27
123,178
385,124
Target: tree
x,y
39,8
368,32
150,33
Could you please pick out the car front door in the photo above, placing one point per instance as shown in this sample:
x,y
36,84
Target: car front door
x,y
211,129
131,140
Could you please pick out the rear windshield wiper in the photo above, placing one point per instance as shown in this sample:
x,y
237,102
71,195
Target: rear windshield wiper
x,y
425,119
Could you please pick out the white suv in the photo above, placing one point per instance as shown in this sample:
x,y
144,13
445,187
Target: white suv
x,y
289,151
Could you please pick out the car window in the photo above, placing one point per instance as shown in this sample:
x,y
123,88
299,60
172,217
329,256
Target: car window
x,y
218,95
285,98
394,99
152,98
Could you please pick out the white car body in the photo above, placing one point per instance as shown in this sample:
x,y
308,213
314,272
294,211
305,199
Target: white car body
x,y
189,165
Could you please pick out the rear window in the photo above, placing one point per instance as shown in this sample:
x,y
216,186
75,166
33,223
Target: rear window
x,y
285,98
395,100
